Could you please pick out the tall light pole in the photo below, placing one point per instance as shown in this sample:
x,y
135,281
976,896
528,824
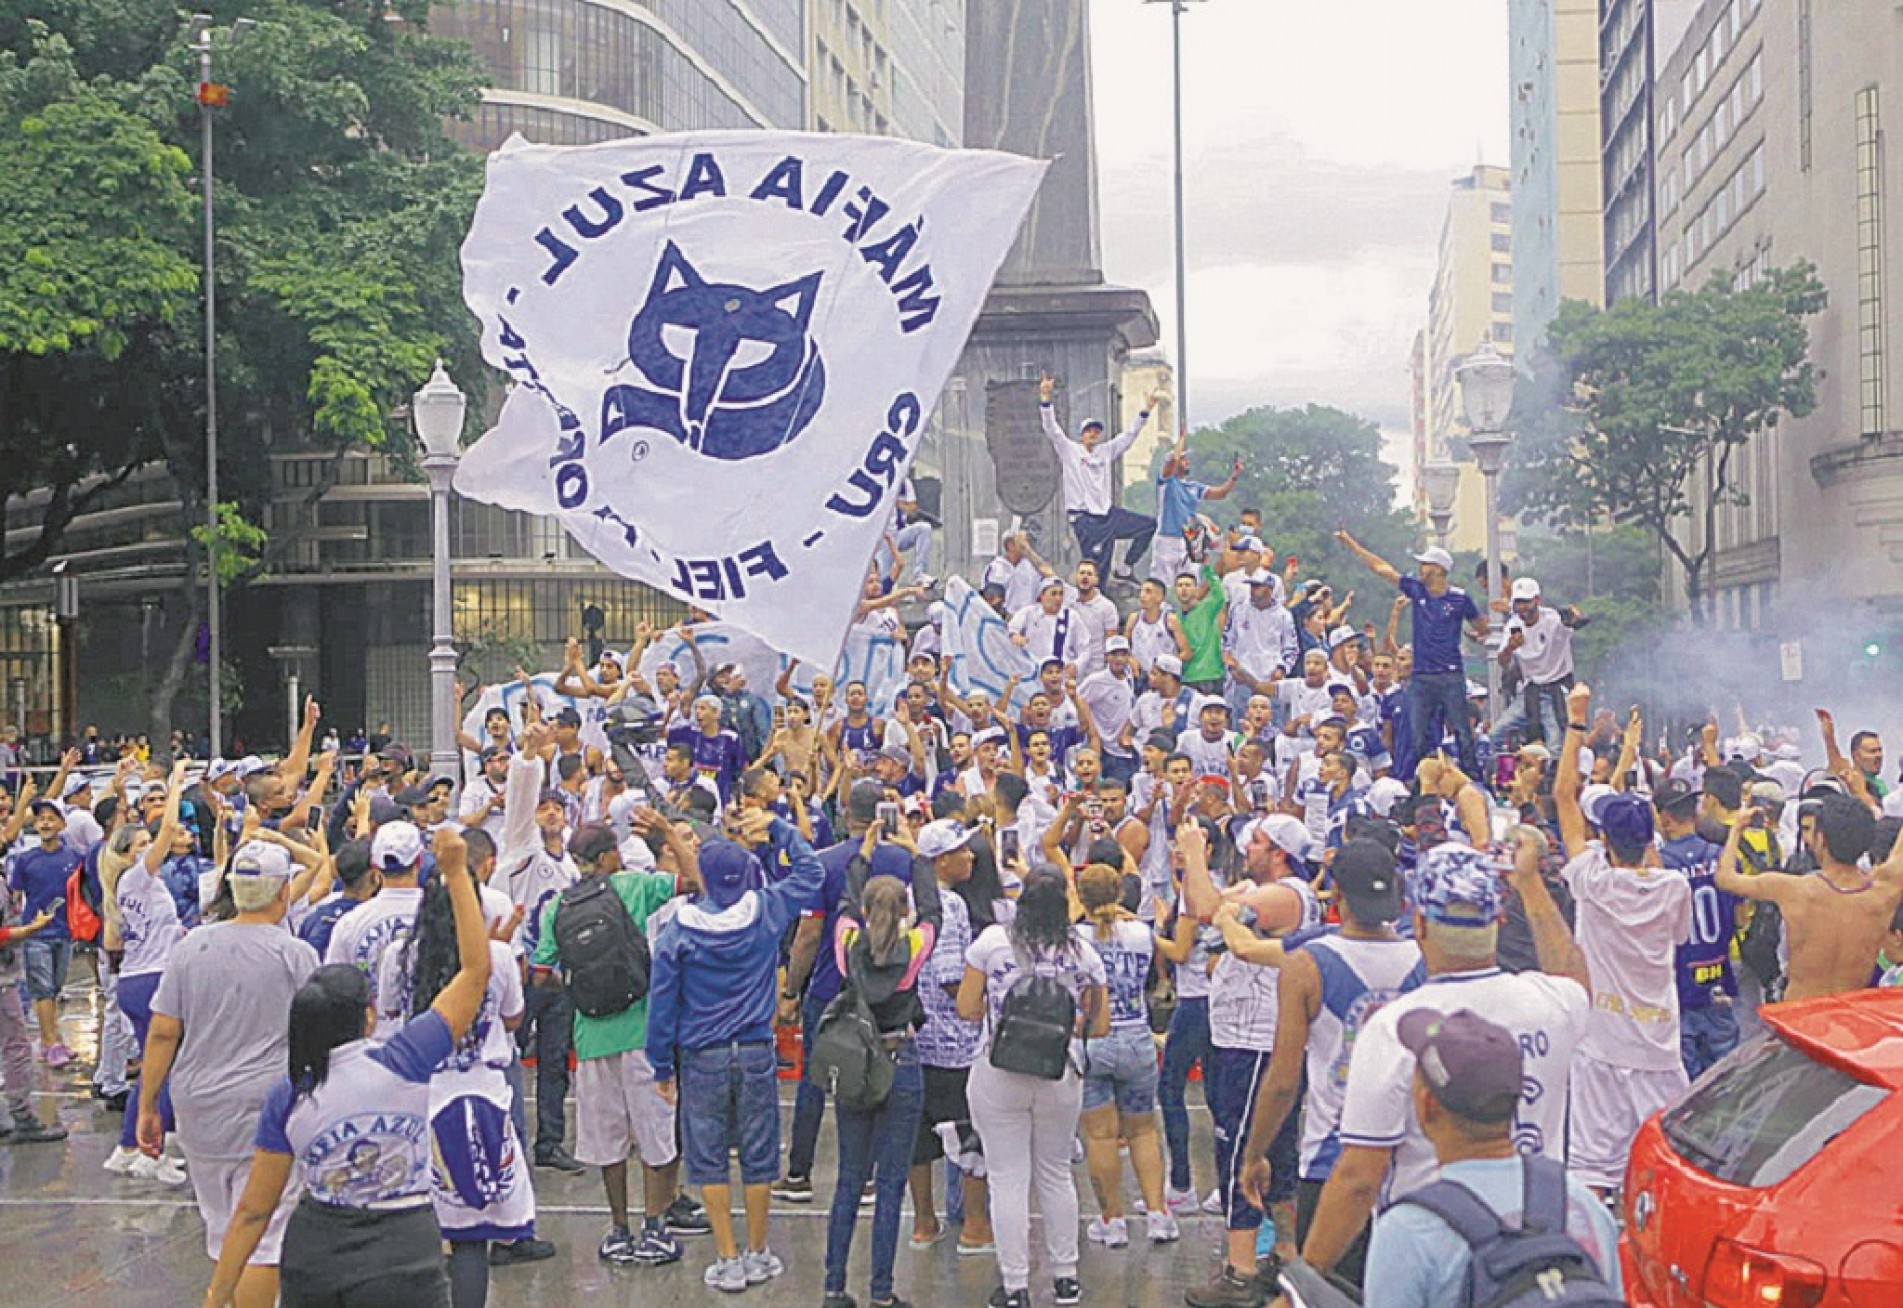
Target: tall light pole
x,y
437,412
212,95
1486,396
1440,480
1182,291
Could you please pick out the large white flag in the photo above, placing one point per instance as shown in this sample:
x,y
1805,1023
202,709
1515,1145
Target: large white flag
x,y
725,346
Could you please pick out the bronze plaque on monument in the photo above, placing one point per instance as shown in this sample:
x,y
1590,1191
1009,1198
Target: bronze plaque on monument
x,y
1021,454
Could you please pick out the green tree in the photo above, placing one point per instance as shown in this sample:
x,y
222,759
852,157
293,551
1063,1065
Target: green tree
x,y
1664,397
341,205
1311,471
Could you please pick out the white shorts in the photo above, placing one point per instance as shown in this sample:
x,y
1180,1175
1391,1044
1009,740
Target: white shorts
x,y
1168,556
218,1184
617,1108
1608,1105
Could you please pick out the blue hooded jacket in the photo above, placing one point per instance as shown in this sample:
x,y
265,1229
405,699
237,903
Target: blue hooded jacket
x,y
715,958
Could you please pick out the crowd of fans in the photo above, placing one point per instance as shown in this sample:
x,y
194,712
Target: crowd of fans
x,y
1409,942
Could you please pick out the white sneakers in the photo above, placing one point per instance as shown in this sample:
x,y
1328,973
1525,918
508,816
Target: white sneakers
x,y
1163,1228
1183,1203
1111,1234
121,1159
162,1170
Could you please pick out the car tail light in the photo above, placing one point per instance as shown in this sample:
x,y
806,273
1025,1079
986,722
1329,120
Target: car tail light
x,y
1741,1277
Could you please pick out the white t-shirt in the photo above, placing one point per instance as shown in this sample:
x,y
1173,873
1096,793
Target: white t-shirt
x,y
148,921
1111,699
1060,635
1546,1014
1019,580
363,935
1209,757
1547,654
1101,620
992,954
487,1041
1629,922
1245,998
1126,959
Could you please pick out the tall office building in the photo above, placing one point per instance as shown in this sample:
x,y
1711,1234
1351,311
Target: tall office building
x,y
1471,303
1772,123
1633,36
888,68
1558,216
570,72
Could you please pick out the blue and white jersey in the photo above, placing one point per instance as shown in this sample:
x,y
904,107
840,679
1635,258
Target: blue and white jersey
x,y
1358,977
361,938
361,1138
1126,963
149,925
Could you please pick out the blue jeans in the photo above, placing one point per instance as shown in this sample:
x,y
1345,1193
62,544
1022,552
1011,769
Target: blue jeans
x,y
878,1145
809,1103
1706,1035
548,1031
1441,698
1187,1042
46,965
730,1101
1098,534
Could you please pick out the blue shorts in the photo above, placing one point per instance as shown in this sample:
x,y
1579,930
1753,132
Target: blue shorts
x,y
730,1099
1120,1069
46,964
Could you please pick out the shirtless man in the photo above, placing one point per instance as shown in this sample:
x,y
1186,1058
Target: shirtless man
x,y
1836,920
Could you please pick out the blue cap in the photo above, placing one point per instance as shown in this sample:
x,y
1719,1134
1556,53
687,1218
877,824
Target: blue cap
x,y
1626,820
728,871
1457,885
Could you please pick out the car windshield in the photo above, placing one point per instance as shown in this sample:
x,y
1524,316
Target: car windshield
x,y
1765,1112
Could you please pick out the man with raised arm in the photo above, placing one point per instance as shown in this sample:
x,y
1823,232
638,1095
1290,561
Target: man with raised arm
x,y
1440,677
1090,498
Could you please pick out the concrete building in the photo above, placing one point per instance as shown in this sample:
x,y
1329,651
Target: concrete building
x,y
1634,35
1771,123
1471,302
1558,217
569,72
1146,371
888,68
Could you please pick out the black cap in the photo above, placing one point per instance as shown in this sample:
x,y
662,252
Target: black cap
x,y
411,796
1674,793
494,751
567,717
862,803
1364,872
384,809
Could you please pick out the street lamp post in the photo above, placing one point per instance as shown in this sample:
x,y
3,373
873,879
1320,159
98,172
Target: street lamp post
x,y
212,95
1182,294
1486,396
1441,481
437,412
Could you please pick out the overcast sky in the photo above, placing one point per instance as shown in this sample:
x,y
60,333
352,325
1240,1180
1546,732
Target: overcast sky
x,y
1319,142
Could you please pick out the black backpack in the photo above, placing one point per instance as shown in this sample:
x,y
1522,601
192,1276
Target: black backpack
x,y
604,955
1035,1022
1533,1265
849,1060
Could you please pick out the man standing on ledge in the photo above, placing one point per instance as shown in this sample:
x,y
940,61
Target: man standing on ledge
x,y
1439,684
1089,495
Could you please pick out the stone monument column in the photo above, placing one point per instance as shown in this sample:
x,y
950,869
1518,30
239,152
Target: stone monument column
x,y
1027,90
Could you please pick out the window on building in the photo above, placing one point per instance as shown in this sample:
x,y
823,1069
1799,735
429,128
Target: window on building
x,y
1502,303
1754,79
1502,273
1503,333
1501,242
1870,260
1502,213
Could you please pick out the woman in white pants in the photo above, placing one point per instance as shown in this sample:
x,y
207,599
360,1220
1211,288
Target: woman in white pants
x,y
1028,1123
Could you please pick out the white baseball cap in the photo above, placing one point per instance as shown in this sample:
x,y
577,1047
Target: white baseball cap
x,y
397,847
1341,636
1116,645
1525,588
1436,555
1592,798
1249,543
1288,833
258,858
1049,582
250,765
1259,577
942,837
1169,663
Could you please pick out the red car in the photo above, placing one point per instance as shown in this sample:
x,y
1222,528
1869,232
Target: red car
x,y
1778,1181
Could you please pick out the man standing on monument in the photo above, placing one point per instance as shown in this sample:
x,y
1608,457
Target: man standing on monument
x,y
1089,493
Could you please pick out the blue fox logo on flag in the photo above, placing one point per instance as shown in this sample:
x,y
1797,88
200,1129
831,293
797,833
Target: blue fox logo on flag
x,y
732,372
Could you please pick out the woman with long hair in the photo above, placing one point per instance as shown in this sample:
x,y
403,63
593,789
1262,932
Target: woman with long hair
x,y
355,1115
1028,1123
1120,1070
882,943
148,929
480,1184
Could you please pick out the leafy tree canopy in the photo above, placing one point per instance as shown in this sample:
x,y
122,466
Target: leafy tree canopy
x,y
1311,471
1662,397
